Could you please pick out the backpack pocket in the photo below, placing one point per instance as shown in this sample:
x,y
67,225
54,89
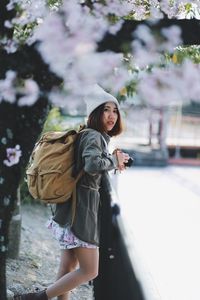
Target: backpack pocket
x,y
50,184
31,177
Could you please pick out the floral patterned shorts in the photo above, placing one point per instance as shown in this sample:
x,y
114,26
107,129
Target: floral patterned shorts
x,y
66,238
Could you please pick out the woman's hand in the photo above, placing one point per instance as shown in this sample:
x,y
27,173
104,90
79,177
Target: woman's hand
x,y
122,158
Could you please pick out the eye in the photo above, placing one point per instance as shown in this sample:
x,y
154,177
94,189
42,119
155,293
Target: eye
x,y
109,109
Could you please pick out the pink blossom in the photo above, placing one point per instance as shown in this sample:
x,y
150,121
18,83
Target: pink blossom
x,y
11,4
31,11
191,79
7,90
140,12
8,24
170,86
68,42
13,156
10,45
116,80
155,13
102,68
147,49
30,91
178,9
119,8
173,38
71,103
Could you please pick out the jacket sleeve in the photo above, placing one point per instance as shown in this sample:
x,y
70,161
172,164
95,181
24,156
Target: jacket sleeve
x,y
96,159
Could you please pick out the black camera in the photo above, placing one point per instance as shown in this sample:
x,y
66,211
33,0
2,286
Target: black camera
x,y
129,162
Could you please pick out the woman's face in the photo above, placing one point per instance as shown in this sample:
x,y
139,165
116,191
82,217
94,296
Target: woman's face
x,y
110,116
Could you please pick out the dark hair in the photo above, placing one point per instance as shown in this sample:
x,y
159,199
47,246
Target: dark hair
x,y
95,121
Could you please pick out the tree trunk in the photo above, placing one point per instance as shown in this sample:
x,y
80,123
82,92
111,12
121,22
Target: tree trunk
x,y
14,130
3,276
15,230
6,208
19,125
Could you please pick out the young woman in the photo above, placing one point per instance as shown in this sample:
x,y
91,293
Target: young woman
x,y
79,240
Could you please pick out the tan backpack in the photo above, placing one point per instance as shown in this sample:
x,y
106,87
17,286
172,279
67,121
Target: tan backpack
x,y
49,173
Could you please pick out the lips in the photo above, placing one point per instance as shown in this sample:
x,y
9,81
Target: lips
x,y
110,123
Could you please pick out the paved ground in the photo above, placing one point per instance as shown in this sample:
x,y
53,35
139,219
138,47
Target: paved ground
x,y
38,261
160,210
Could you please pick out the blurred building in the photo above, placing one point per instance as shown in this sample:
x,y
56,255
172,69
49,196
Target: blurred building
x,y
159,136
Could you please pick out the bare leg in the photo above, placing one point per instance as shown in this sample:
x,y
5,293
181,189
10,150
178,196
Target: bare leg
x,y
68,263
88,269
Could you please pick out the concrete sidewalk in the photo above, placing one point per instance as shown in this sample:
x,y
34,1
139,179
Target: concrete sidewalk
x,y
160,217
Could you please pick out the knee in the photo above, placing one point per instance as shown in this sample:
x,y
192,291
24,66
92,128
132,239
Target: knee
x,y
90,274
68,266
94,275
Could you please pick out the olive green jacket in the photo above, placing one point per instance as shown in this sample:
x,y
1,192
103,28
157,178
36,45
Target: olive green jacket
x,y
91,154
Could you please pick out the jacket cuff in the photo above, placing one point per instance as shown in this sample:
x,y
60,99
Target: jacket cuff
x,y
114,160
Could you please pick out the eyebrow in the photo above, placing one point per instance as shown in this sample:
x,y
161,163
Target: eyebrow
x,y
108,106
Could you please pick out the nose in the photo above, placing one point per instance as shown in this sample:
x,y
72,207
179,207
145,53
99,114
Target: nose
x,y
111,115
